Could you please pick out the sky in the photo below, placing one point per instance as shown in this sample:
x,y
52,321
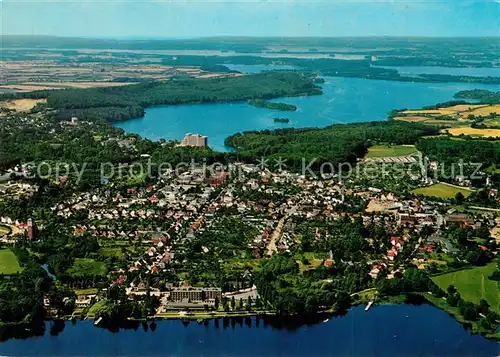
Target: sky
x,y
188,18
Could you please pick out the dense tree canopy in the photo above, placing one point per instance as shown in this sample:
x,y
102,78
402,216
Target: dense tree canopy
x,y
117,103
335,144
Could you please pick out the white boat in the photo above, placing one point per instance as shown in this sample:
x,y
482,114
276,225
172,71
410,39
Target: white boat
x,y
326,320
98,321
368,306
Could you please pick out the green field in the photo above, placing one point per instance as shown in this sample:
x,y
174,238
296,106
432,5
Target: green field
x,y
8,262
86,291
390,151
442,190
111,252
87,267
473,284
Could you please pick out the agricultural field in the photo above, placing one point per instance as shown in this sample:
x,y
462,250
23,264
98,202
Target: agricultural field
x,y
454,116
473,284
460,111
487,133
485,110
48,73
21,105
442,190
390,151
87,267
429,120
8,262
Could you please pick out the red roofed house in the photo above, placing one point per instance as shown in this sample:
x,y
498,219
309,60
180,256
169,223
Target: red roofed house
x,y
428,248
392,253
328,263
396,242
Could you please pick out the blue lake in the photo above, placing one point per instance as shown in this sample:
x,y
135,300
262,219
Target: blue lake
x,y
389,330
345,100
454,71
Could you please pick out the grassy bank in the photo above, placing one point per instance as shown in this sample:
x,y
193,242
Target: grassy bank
x,y
473,284
453,311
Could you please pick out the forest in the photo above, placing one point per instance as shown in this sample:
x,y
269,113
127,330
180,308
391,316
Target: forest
x,y
452,151
484,96
118,103
334,144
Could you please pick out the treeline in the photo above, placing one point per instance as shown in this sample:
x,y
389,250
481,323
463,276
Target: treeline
x,y
424,77
111,114
105,103
484,96
452,151
334,144
37,94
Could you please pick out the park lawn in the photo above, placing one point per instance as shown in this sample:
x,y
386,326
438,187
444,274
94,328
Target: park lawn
x,y
390,151
87,267
111,252
8,262
473,284
86,291
442,190
314,262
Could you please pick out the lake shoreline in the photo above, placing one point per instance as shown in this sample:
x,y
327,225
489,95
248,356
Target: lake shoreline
x,y
323,315
384,330
336,105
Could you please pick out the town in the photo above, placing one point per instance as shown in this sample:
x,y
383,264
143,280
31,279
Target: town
x,y
203,241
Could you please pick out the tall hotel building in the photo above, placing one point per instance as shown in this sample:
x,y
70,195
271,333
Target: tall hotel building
x,y
196,140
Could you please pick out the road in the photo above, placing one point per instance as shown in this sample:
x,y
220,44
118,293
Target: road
x,y
271,247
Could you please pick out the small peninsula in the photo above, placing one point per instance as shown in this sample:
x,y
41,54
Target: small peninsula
x,y
261,103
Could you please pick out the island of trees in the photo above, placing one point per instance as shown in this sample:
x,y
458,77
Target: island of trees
x,y
281,120
260,103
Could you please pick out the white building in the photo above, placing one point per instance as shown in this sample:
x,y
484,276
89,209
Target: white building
x,y
196,140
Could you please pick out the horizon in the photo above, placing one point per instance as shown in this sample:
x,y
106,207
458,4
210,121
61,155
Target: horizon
x,y
252,18
159,38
